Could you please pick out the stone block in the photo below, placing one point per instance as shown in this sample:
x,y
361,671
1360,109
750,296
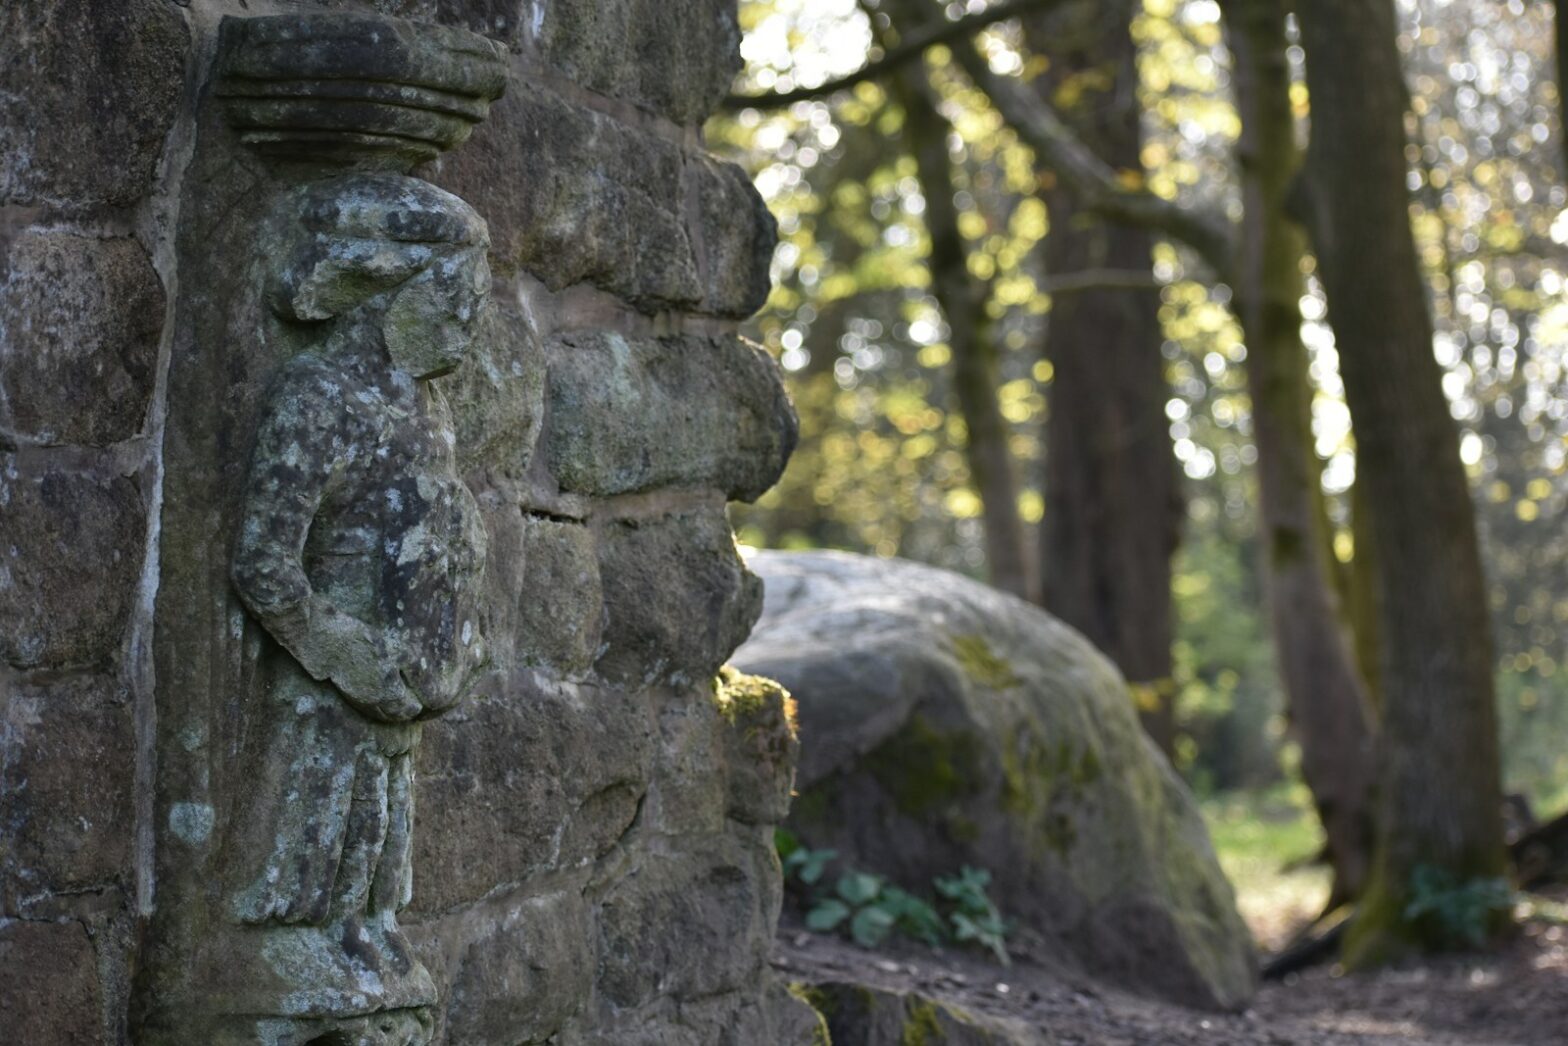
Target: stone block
x,y
70,553
689,923
560,605
689,787
574,196
522,972
49,990
760,746
681,600
66,831
738,234
497,395
80,320
674,59
631,414
114,74
529,779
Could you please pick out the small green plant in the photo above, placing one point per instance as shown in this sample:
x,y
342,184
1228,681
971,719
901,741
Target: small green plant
x,y
975,916
799,861
1455,912
870,909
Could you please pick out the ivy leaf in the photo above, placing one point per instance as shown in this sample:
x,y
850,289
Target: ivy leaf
x,y
827,915
859,888
871,926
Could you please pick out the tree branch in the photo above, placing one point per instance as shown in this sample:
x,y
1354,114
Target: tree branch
x,y
904,53
1059,149
1098,279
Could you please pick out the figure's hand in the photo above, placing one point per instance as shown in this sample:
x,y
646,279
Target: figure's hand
x,y
336,647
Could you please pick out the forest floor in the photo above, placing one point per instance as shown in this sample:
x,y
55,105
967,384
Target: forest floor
x,y
1517,997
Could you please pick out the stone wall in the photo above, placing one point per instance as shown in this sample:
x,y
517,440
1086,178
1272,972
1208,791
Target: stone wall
x,y
592,857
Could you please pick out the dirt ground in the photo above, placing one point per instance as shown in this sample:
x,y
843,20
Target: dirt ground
x,y
1517,997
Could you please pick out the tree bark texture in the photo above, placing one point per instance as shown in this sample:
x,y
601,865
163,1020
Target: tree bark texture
x,y
1439,769
1324,692
1113,508
976,370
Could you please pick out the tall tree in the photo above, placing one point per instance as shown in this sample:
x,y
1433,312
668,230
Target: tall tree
x,y
964,300
1112,505
1324,691
1439,780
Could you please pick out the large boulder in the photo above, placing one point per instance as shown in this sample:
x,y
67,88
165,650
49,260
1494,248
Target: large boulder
x,y
944,723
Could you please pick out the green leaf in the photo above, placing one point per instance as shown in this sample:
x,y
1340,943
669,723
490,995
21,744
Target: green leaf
x,y
871,926
859,888
827,915
813,863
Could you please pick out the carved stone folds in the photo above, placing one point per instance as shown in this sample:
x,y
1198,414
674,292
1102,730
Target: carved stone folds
x,y
354,88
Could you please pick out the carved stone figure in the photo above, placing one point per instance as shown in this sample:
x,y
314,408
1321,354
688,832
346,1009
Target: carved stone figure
x,y
360,551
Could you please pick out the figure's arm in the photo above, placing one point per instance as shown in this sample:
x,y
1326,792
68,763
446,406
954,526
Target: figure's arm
x,y
304,440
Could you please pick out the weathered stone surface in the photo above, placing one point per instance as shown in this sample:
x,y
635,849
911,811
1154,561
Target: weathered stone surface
x,y
49,990
760,746
872,1017
522,972
630,414
534,778
738,235
690,924
682,600
497,396
69,560
80,320
114,74
67,832
944,723
575,196
560,606
674,59
351,88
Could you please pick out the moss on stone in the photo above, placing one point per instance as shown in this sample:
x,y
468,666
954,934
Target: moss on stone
x,y
982,665
822,1005
923,1028
923,768
740,696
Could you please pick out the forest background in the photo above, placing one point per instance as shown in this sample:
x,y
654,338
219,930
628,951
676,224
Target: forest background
x,y
943,275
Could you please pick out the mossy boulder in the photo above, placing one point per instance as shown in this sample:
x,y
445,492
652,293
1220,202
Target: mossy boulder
x,y
944,723
865,1016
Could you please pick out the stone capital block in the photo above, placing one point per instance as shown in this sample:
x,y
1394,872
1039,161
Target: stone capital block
x,y
631,414
80,321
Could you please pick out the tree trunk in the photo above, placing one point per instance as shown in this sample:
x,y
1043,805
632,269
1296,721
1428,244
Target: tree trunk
x,y
1324,693
1439,787
1560,20
976,371
975,366
1113,508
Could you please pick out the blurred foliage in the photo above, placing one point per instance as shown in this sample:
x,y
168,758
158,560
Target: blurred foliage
x,y
880,467
1266,841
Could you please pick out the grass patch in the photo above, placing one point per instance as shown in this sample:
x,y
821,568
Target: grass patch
x,y
1266,841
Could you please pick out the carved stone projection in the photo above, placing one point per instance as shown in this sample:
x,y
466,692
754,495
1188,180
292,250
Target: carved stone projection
x,y
359,551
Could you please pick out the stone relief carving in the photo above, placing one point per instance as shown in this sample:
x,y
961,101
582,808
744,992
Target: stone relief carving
x,y
359,551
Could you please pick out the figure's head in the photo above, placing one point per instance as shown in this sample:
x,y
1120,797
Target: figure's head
x,y
398,249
